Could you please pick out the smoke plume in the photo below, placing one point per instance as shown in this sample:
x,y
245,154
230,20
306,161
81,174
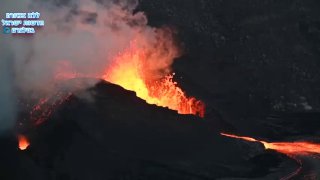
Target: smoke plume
x,y
80,39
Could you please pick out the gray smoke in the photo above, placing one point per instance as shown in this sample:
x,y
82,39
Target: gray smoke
x,y
8,108
81,36
7,96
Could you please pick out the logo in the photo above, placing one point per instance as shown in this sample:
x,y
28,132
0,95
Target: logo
x,y
6,30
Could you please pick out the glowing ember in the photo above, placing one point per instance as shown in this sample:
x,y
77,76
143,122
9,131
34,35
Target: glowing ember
x,y
23,142
46,106
128,71
289,148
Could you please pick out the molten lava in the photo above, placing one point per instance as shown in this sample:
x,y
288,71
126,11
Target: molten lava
x,y
23,142
144,66
291,149
288,148
129,71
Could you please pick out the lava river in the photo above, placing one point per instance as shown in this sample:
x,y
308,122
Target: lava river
x,y
301,151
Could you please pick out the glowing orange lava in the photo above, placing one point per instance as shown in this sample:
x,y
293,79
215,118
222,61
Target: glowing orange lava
x,y
143,67
23,142
128,71
289,148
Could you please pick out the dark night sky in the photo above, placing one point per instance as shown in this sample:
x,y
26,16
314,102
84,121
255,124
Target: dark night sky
x,y
248,59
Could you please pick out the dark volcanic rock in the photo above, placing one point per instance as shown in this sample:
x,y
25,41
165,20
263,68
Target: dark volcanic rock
x,y
106,132
247,59
8,157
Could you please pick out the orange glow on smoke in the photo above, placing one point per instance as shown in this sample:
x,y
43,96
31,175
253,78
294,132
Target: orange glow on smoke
x,y
23,142
143,67
289,148
128,71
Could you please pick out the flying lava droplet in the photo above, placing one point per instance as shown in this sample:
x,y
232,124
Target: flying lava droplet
x,y
128,71
23,142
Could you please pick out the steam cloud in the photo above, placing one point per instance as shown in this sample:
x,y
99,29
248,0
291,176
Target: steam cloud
x,y
81,36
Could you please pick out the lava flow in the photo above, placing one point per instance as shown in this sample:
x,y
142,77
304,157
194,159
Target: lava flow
x,y
291,149
23,142
288,148
128,71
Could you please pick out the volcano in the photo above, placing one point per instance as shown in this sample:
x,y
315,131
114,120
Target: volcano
x,y
116,135
188,89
